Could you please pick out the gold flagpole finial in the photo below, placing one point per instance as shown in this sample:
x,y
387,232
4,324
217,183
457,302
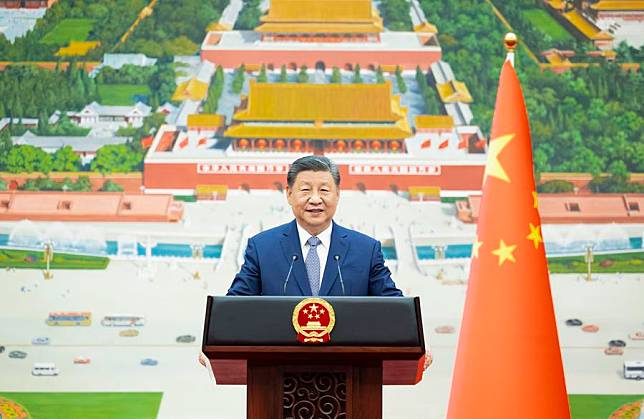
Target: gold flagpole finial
x,y
510,41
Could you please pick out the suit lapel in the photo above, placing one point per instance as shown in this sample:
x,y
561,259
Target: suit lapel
x,y
290,243
339,247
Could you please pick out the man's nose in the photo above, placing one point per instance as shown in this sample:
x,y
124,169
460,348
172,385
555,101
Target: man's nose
x,y
315,198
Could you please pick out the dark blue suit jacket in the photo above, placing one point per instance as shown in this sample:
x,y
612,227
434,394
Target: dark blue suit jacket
x,y
270,253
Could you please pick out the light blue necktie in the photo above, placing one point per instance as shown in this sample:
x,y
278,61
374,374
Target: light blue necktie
x,y
312,263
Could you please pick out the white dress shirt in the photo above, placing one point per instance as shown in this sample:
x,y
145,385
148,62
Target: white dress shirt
x,y
323,247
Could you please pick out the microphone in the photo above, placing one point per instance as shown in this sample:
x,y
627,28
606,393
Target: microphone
x,y
337,262
293,259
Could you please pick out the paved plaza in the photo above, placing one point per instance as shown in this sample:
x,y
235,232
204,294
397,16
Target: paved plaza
x,y
173,301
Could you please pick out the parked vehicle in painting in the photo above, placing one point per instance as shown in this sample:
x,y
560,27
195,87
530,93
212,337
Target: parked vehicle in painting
x,y
44,368
69,318
18,354
186,339
149,362
123,320
634,370
40,340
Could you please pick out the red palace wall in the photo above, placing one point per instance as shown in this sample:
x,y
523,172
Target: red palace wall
x,y
185,176
407,60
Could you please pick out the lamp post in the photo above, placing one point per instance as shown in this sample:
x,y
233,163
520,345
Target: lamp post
x,y
48,253
588,258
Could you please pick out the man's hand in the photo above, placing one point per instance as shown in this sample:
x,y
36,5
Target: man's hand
x,y
428,361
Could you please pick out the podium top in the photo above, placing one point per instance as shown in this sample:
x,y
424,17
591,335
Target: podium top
x,y
267,321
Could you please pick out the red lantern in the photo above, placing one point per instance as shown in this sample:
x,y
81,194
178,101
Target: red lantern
x,y
279,144
340,146
394,145
243,143
358,145
297,145
376,145
261,144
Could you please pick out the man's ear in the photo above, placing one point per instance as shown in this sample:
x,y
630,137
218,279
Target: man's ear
x,y
288,191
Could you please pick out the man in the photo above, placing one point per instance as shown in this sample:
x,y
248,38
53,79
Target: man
x,y
312,255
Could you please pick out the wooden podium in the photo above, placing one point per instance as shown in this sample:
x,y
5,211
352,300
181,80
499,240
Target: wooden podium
x,y
375,341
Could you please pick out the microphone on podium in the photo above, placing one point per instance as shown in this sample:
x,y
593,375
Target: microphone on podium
x,y
337,262
293,259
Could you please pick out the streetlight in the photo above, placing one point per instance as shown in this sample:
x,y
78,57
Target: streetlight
x,y
49,256
588,258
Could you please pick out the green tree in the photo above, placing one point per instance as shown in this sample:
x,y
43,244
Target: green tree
x,y
3,185
262,78
357,77
5,147
238,79
283,74
110,186
302,76
249,15
119,158
400,81
65,160
380,78
27,159
336,76
556,186
82,184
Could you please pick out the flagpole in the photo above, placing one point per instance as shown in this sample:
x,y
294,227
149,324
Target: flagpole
x,y
510,41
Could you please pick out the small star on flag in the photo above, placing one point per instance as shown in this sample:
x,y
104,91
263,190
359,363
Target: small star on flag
x,y
535,235
504,252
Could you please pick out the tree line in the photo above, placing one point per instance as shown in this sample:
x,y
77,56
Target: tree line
x,y
111,20
585,120
174,28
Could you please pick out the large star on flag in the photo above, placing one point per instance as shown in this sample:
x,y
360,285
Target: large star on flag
x,y
504,252
493,167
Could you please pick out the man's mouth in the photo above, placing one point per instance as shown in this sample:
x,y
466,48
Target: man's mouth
x,y
315,210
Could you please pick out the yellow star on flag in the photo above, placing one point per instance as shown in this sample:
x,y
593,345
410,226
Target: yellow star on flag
x,y
535,235
493,167
504,252
535,201
475,247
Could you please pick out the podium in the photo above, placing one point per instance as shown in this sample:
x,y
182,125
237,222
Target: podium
x,y
375,341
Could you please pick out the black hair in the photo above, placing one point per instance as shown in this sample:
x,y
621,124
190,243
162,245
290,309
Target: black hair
x,y
314,163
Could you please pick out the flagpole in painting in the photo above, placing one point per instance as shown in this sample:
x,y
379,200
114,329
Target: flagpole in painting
x,y
508,363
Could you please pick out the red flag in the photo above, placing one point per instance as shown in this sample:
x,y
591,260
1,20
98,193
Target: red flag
x,y
508,363
443,144
426,144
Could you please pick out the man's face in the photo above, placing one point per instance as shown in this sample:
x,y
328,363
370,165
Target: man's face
x,y
313,198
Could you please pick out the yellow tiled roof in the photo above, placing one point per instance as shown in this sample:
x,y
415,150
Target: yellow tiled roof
x,y
191,90
557,4
454,91
321,102
298,27
588,29
320,11
77,48
425,27
219,27
434,121
206,120
618,5
398,131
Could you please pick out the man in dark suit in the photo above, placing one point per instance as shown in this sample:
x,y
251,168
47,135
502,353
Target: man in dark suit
x,y
312,255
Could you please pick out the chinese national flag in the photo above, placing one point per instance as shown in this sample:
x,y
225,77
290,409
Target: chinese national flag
x,y
508,363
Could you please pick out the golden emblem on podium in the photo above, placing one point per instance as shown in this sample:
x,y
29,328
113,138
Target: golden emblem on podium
x,y
313,320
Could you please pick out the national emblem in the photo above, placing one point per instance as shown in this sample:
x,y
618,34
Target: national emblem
x,y
313,320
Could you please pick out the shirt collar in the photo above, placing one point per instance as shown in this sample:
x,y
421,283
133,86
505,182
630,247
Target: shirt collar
x,y
324,236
